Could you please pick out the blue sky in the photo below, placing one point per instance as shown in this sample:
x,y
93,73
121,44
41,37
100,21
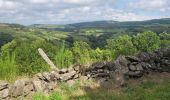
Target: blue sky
x,y
72,11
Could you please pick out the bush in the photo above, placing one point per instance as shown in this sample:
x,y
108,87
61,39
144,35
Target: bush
x,y
165,39
146,41
121,45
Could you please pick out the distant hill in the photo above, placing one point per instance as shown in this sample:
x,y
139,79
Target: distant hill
x,y
164,21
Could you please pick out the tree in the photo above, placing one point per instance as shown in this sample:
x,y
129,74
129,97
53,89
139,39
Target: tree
x,y
121,45
146,41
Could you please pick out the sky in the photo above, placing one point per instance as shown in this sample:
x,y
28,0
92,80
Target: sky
x,y
28,12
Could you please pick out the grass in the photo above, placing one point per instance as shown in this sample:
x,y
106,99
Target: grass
x,y
8,69
148,90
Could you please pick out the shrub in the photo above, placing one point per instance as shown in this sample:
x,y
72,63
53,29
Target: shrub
x,y
146,41
121,45
165,39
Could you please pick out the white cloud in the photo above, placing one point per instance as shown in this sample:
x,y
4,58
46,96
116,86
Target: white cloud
x,y
70,11
7,5
39,1
153,5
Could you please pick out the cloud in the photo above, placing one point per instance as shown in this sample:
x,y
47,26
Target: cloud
x,y
152,5
70,11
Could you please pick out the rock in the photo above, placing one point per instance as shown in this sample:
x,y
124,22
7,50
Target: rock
x,y
121,62
76,76
110,66
132,68
4,94
17,89
70,69
28,88
119,78
3,85
145,65
67,76
55,76
76,67
132,59
52,85
62,71
101,80
100,75
134,74
38,85
139,67
46,76
144,57
98,65
40,76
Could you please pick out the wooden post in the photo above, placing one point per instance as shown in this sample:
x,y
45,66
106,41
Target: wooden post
x,y
46,58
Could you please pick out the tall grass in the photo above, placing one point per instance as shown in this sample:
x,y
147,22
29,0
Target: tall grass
x,y
60,56
64,57
8,68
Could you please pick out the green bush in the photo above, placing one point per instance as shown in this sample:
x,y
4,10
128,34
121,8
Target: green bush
x,y
165,39
121,45
146,41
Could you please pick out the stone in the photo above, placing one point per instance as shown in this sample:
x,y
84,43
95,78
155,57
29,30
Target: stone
x,y
119,78
120,62
132,68
139,67
40,76
55,76
62,71
132,58
76,76
4,93
38,85
145,65
100,75
3,85
134,74
70,69
17,89
46,76
28,88
67,76
76,67
98,65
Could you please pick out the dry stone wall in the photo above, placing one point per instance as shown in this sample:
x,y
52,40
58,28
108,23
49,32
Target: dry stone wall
x,y
122,68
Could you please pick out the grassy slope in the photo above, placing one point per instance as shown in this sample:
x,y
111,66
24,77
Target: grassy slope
x,y
152,87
